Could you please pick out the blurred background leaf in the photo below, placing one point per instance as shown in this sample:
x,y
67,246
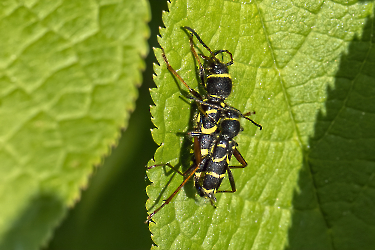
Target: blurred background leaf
x,y
69,74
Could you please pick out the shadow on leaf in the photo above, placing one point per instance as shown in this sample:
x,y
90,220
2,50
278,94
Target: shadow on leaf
x,y
335,208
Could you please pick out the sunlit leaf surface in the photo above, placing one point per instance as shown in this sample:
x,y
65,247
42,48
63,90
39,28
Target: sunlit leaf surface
x,y
306,68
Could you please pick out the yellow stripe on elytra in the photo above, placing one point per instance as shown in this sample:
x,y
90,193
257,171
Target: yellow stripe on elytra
x,y
216,96
208,131
232,119
211,111
219,176
219,159
219,75
208,191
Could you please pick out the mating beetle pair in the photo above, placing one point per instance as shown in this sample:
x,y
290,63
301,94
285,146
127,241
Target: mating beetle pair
x,y
217,122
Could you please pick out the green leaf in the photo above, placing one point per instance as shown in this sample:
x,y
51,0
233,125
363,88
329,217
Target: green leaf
x,y
306,68
68,80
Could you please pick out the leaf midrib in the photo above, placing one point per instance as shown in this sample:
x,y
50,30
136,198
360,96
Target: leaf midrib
x,y
297,136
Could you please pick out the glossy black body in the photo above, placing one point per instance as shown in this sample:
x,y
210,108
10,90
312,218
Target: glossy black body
x,y
212,168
